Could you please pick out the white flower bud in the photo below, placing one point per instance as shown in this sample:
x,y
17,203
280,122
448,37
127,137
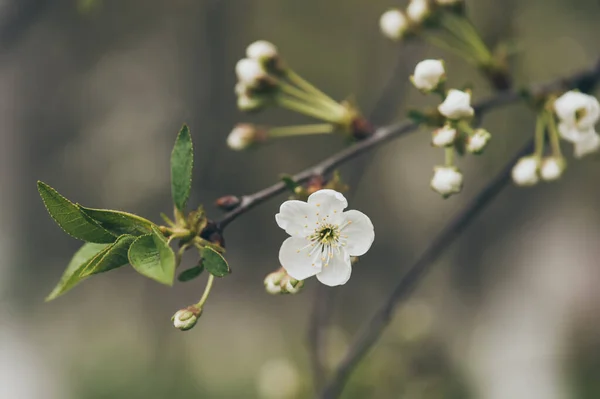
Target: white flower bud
x,y
478,141
250,72
525,172
457,105
444,136
447,180
273,282
577,110
418,10
293,286
262,51
552,168
185,319
393,24
429,74
245,135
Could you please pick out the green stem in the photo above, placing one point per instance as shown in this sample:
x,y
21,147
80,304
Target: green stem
x,y
452,48
463,29
539,136
301,130
310,98
465,127
449,152
306,109
209,285
554,136
304,84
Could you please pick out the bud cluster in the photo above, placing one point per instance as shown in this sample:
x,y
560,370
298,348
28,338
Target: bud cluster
x,y
279,282
265,80
455,133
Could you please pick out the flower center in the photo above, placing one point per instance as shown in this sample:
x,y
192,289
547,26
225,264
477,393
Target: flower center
x,y
328,234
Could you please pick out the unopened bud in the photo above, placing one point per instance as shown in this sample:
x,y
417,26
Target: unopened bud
x,y
250,72
292,286
457,105
429,74
245,135
524,173
552,168
228,202
262,50
447,180
478,141
444,136
418,11
393,24
273,281
186,319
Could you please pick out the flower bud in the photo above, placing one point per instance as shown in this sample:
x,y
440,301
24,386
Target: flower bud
x,y
478,141
273,281
418,11
444,136
577,110
429,74
245,135
250,72
292,286
186,319
262,50
524,173
447,180
552,168
393,24
228,202
457,105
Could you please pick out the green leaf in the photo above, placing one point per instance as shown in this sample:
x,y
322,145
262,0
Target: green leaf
x,y
151,256
214,262
70,218
182,161
112,257
68,279
91,259
190,274
118,222
289,182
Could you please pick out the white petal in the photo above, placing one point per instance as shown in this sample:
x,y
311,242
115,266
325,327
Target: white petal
x,y
360,233
338,271
588,144
329,203
568,132
297,218
299,265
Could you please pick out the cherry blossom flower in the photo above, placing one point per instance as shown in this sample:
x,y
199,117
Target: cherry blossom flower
x,y
457,105
428,75
323,237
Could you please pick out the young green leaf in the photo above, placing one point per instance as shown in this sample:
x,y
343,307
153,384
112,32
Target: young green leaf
x,y
214,262
112,257
289,182
118,222
92,259
70,218
151,256
191,273
69,277
182,161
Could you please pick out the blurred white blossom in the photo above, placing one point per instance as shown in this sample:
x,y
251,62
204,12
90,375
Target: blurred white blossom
x,y
393,24
447,180
457,105
444,136
429,74
525,172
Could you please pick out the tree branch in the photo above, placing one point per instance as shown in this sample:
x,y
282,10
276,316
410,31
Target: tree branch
x,y
373,329
384,134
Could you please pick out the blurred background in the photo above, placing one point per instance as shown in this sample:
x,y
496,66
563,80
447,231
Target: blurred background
x,y
92,94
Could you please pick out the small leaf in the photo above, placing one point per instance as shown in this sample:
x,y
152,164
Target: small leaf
x,y
70,218
190,274
214,262
151,256
182,162
289,182
118,222
92,259
68,279
112,257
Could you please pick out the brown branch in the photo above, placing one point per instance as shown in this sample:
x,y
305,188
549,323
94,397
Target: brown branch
x,y
373,329
387,133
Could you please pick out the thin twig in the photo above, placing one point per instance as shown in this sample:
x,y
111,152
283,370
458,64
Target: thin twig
x,y
387,133
321,312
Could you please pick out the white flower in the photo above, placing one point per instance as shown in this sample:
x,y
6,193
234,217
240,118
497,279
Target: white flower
x,y
585,141
447,180
457,105
323,237
250,72
577,110
262,50
393,24
428,75
478,141
524,173
418,10
243,136
552,168
444,136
